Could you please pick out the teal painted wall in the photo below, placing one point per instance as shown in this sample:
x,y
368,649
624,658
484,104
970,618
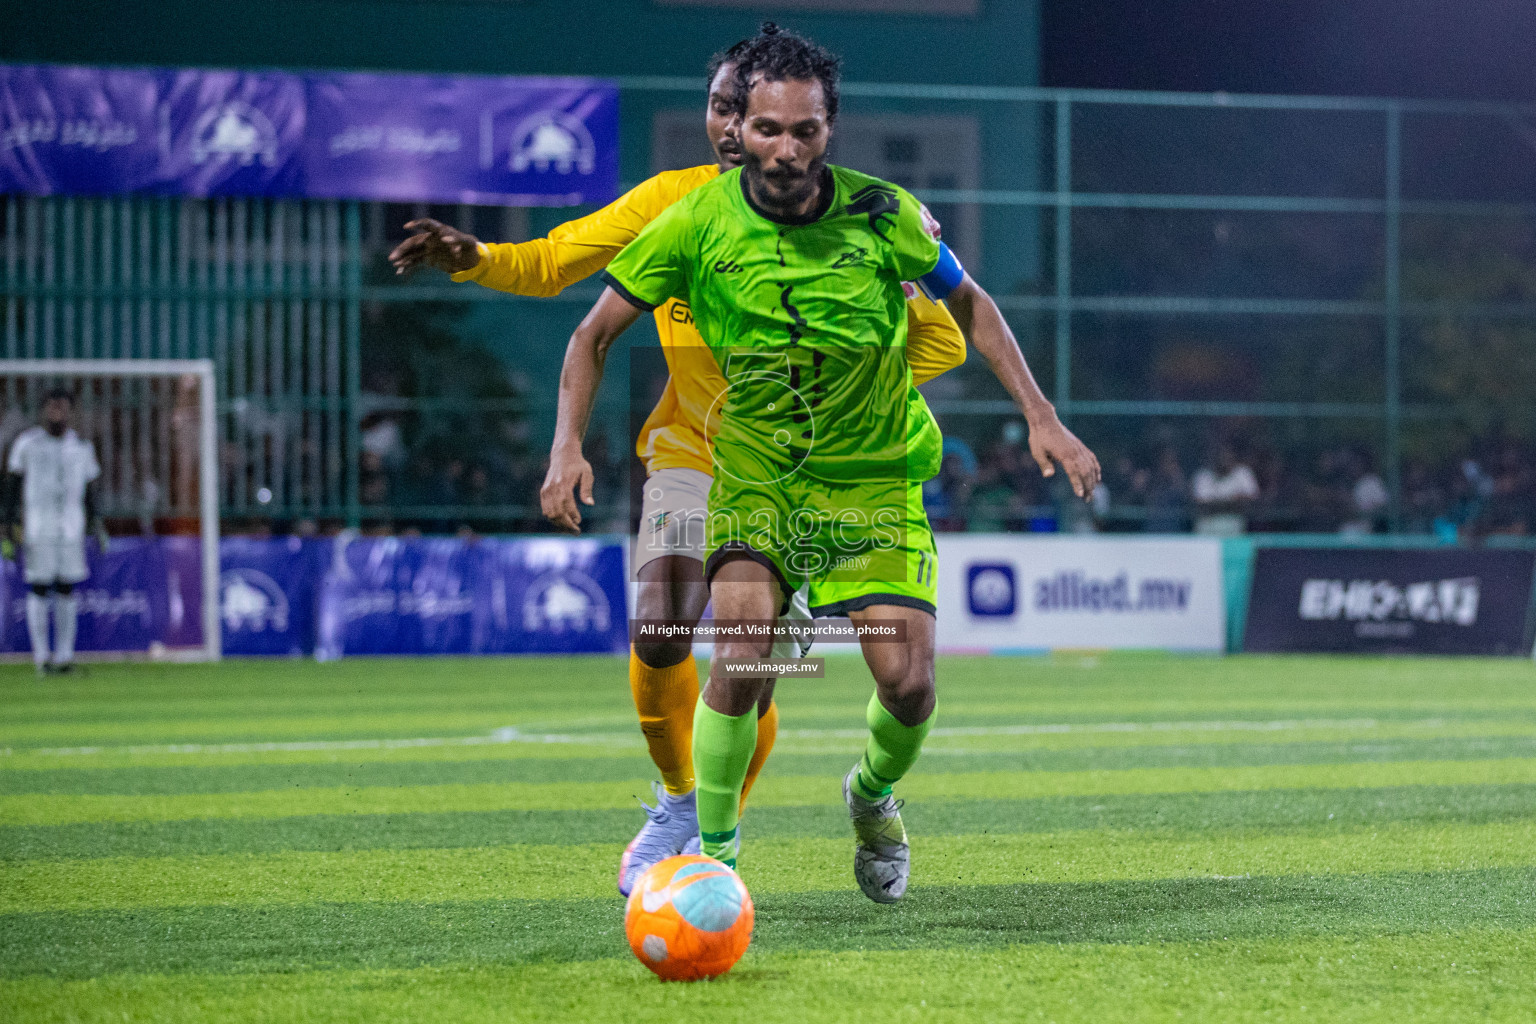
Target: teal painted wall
x,y
579,37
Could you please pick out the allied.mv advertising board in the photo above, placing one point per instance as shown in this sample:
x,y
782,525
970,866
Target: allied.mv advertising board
x,y
1010,593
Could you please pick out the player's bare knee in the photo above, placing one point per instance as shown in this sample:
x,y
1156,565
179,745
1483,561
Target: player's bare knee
x,y
672,601
662,653
728,692
40,589
909,695
744,647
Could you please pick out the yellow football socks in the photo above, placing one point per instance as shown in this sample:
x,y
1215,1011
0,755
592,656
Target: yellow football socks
x,y
665,699
767,732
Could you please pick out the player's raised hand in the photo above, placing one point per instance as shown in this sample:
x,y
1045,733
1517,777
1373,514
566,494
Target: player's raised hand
x,y
436,245
569,472
1051,443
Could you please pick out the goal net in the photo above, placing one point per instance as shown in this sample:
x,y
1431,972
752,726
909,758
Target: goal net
x,y
154,590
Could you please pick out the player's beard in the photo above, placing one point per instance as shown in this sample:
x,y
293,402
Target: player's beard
x,y
781,191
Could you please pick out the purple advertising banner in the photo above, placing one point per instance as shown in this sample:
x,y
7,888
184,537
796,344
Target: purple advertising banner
x,y
142,594
551,595
490,596
386,595
407,138
267,588
230,133
487,141
290,596
78,130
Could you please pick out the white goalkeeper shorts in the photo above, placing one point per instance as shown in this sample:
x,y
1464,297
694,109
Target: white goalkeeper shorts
x,y
55,561
673,517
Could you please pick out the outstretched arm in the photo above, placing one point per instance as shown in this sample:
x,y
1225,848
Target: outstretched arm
x,y
435,244
544,266
580,376
1050,441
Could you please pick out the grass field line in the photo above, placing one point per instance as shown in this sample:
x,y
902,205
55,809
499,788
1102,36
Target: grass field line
x,y
769,865
1482,974
629,747
514,735
505,735
771,791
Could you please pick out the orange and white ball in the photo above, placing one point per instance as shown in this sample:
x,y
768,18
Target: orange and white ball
x,y
689,917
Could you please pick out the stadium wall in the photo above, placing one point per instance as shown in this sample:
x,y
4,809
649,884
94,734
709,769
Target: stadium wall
x,y
999,45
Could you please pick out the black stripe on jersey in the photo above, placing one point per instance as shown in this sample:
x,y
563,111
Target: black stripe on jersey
x,y
627,295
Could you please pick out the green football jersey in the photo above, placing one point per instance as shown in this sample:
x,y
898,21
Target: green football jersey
x,y
807,322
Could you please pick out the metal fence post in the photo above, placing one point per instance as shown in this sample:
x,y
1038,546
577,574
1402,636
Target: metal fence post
x,y
353,276
1063,389
1394,316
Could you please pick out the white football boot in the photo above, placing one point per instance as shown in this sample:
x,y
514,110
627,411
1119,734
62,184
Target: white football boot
x,y
883,860
668,827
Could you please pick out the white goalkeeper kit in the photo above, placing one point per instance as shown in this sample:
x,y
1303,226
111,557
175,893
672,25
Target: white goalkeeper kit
x,y
55,472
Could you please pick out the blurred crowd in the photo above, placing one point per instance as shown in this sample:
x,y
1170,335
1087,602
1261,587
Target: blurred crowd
x,y
1216,487
1228,488
488,486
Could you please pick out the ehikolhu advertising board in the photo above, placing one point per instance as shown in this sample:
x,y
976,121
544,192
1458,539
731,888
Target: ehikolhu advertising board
x,y
1002,592
1390,602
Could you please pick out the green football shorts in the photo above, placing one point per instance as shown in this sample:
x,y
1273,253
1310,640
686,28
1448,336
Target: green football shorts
x,y
856,545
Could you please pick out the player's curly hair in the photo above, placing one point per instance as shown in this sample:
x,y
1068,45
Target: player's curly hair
x,y
729,55
777,55
59,392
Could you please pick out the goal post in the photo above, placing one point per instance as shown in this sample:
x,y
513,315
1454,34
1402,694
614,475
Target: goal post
x,y
154,426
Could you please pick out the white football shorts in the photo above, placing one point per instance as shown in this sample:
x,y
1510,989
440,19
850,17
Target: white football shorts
x,y
55,561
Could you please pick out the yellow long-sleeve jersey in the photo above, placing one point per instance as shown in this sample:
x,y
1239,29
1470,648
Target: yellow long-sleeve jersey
x,y
674,435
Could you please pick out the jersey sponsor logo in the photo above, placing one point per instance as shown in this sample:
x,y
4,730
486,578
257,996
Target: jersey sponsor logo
x,y
879,203
852,258
681,313
931,223
727,267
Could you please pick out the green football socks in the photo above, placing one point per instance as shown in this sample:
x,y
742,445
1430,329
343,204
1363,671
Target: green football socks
x,y
890,753
722,749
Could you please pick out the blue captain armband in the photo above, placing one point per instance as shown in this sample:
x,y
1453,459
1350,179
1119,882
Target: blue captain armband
x,y
944,278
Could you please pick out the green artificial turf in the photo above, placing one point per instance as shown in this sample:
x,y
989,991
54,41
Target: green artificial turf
x,y
1116,838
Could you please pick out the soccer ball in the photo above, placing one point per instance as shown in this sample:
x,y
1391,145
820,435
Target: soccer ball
x,y
689,917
